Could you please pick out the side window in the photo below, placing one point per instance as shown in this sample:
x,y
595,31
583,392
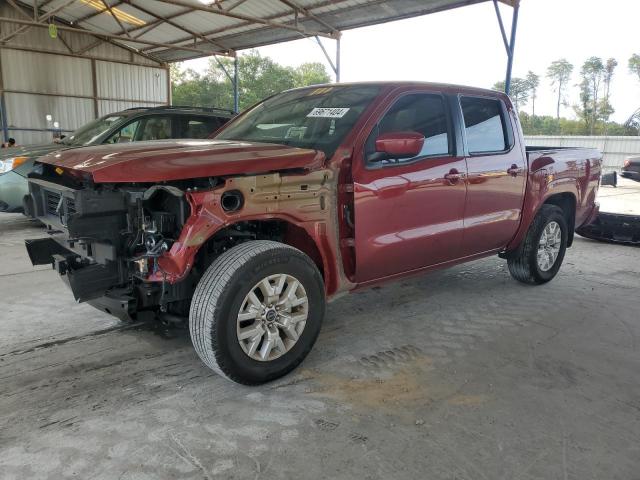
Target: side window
x,y
154,128
198,127
422,113
484,125
126,134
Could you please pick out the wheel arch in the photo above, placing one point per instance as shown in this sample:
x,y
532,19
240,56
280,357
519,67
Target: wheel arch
x,y
565,199
284,231
567,202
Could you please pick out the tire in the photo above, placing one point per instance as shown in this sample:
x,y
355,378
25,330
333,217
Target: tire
x,y
524,265
222,296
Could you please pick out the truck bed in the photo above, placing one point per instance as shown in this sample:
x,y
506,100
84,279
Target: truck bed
x,y
536,151
561,164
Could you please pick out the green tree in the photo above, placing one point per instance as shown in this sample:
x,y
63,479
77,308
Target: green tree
x,y
559,72
311,74
533,81
258,78
634,65
548,125
605,108
519,92
609,69
585,109
593,72
175,73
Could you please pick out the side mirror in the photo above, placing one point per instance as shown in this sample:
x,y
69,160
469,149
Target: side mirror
x,y
398,145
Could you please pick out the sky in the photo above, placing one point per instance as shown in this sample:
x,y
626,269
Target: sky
x,y
464,46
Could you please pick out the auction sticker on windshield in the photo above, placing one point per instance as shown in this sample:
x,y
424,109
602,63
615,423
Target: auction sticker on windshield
x,y
326,112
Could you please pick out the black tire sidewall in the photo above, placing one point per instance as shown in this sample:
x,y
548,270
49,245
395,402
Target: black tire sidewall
x,y
229,353
552,216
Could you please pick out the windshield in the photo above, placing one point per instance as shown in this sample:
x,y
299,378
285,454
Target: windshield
x,y
318,118
89,133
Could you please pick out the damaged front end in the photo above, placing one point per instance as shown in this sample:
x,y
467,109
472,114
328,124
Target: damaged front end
x,y
105,240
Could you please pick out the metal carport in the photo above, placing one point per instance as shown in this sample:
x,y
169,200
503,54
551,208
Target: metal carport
x,y
166,31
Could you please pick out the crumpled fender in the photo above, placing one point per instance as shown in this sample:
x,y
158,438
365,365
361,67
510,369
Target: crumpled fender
x,y
306,201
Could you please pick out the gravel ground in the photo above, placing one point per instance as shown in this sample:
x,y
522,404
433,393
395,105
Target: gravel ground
x,y
461,374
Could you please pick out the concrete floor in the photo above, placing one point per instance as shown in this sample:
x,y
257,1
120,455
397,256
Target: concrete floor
x,y
461,374
625,198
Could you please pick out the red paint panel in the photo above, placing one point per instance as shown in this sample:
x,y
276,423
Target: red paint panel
x,y
407,217
145,162
494,201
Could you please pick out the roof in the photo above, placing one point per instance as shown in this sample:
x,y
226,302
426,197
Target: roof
x,y
401,83
392,84
179,109
175,30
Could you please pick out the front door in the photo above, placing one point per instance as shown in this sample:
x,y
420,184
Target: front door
x,y
409,212
496,175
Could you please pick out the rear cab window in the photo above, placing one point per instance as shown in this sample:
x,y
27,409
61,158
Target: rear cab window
x,y
486,125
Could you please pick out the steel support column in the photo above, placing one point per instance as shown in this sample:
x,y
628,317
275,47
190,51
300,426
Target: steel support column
x,y
335,66
509,45
3,114
338,60
3,108
236,93
94,88
512,46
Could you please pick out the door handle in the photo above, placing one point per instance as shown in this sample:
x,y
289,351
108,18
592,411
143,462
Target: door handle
x,y
453,176
514,170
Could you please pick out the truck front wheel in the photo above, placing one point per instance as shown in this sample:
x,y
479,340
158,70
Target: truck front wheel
x,y
257,311
540,256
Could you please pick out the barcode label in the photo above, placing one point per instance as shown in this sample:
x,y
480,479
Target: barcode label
x,y
335,112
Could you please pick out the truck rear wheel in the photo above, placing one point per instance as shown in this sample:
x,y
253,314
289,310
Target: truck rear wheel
x,y
541,254
257,311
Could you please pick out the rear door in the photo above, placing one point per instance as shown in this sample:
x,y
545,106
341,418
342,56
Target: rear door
x,y
408,212
496,175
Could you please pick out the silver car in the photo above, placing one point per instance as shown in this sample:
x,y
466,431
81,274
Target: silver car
x,y
133,125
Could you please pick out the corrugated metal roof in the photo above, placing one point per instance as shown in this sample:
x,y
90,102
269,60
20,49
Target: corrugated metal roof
x,y
194,28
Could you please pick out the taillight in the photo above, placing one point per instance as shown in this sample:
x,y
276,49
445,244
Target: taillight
x,y
627,162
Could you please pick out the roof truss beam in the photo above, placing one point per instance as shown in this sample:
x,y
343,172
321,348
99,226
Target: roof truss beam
x,y
245,24
237,4
110,36
180,27
41,18
117,20
84,49
307,13
247,18
95,14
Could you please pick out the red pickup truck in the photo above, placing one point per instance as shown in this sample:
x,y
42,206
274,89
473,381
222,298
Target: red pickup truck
x,y
310,194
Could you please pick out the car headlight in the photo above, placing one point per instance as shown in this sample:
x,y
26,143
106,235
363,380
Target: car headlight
x,y
9,164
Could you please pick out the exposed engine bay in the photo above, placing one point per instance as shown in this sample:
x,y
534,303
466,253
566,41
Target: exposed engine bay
x,y
109,238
